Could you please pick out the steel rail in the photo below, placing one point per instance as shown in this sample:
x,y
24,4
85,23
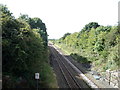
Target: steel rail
x,y
61,70
69,73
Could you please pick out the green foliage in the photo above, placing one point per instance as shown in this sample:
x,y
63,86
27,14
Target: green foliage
x,y
99,44
36,23
103,29
65,35
90,25
4,10
24,51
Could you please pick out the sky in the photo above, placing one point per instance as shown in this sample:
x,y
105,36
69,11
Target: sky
x,y
62,16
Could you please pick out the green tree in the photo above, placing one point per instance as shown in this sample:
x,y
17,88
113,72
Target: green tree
x,y
23,52
90,25
65,35
36,23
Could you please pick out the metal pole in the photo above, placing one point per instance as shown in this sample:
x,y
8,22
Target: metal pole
x,y
37,84
109,77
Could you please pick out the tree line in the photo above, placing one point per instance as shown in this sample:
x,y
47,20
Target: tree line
x,y
24,51
97,43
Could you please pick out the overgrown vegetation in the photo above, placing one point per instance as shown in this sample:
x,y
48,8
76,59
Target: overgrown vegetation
x,y
96,43
24,52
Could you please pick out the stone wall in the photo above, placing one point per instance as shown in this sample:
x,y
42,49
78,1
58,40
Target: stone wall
x,y
113,77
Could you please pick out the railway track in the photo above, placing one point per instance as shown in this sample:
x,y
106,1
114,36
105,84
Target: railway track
x,y
67,71
70,79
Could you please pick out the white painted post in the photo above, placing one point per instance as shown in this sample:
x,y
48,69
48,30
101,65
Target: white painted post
x,y
37,78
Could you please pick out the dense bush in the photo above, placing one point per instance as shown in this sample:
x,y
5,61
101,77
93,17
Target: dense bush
x,y
24,51
99,44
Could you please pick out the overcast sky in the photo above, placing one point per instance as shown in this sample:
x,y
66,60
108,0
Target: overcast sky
x,y
61,16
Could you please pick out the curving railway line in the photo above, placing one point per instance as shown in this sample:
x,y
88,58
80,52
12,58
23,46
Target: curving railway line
x,y
65,71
